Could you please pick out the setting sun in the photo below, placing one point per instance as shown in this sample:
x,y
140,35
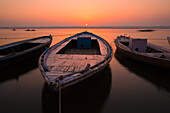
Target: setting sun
x,y
76,13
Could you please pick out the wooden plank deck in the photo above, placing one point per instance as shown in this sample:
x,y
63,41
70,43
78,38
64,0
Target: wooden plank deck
x,y
84,51
72,63
68,63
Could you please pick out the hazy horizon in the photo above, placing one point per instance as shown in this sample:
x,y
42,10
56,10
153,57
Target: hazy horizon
x,y
79,13
89,27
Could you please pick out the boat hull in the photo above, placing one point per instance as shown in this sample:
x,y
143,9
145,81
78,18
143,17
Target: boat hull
x,y
96,89
79,82
24,55
80,76
144,59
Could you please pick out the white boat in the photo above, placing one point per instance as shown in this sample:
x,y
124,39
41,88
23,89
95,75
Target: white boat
x,y
141,50
74,59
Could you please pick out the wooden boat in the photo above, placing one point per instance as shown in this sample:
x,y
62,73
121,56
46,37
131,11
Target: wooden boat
x,y
74,59
139,49
30,30
146,30
13,29
19,51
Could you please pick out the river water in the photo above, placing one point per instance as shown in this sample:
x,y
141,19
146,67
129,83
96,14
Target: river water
x,y
125,86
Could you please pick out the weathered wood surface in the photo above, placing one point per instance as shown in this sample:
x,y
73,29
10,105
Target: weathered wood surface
x,y
74,62
83,51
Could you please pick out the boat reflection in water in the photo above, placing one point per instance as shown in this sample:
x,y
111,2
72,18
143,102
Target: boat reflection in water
x,y
18,69
87,98
157,76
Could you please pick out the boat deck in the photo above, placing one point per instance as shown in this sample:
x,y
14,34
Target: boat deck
x,y
83,51
75,60
72,63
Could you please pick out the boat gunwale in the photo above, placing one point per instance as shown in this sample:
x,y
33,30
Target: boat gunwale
x,y
22,41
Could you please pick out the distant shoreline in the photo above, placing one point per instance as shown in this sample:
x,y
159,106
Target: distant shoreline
x,y
91,27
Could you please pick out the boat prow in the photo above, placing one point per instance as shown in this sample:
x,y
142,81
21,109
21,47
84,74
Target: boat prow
x,y
74,59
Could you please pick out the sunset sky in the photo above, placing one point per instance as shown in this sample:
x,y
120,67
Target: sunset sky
x,y
82,12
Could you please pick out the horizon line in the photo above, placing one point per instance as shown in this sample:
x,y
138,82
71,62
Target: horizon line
x,y
95,27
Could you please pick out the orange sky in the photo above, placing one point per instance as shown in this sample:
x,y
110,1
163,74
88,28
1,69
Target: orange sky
x,y
80,12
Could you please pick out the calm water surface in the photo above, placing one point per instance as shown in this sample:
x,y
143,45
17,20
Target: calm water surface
x,y
123,87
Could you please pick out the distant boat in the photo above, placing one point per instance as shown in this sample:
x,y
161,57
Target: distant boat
x,y
18,51
139,49
14,29
146,30
74,59
33,30
168,38
30,30
27,30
